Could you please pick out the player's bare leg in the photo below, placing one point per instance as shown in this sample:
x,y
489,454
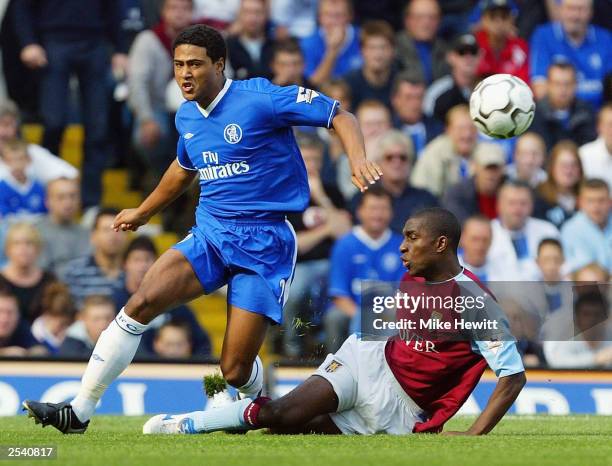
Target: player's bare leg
x,y
170,281
244,334
303,410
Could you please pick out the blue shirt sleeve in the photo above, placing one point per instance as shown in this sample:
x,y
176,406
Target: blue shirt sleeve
x,y
299,106
313,53
540,56
181,155
339,274
502,357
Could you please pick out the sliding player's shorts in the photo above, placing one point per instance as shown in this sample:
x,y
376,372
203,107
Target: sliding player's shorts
x,y
370,400
255,258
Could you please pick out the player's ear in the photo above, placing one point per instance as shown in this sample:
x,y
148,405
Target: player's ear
x,y
441,244
220,65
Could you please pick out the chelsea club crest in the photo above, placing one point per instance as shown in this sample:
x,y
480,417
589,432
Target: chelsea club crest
x,y
232,133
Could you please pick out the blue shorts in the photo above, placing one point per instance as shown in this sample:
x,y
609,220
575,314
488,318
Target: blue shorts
x,y
255,258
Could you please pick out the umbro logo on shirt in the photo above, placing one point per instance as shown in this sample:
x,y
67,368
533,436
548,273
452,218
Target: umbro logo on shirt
x,y
188,135
306,95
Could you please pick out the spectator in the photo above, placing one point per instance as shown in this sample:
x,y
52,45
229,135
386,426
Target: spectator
x,y
529,156
63,238
588,48
374,79
407,101
138,258
556,294
395,154
339,90
250,50
476,239
502,51
560,325
374,118
19,194
455,88
587,236
293,18
98,273
560,115
66,38
596,156
22,275
287,64
455,17
15,336
317,228
43,165
592,347
516,235
97,312
419,49
370,251
478,194
333,49
58,313
173,341
150,72
523,327
445,160
556,197
386,10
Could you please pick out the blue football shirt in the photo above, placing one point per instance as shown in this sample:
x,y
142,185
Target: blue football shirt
x,y
356,257
244,150
592,59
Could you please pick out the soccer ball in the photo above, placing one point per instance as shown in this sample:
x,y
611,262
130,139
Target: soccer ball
x,y
502,106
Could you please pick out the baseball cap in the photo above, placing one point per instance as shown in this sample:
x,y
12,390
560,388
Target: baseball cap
x,y
465,42
488,153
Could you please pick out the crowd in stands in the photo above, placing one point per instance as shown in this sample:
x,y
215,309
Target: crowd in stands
x,y
536,208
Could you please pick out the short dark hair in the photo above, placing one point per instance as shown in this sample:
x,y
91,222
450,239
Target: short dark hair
x,y
518,184
593,297
103,212
176,323
550,242
140,243
376,191
441,222
562,64
376,28
290,46
593,183
206,37
409,77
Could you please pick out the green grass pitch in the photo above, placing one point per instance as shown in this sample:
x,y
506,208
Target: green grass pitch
x,y
114,440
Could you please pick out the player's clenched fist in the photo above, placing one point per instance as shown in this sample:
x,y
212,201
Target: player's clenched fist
x,y
129,219
365,172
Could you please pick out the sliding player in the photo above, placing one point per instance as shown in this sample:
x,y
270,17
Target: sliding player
x,y
403,385
237,137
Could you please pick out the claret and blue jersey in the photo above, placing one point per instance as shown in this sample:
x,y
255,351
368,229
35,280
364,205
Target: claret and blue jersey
x,y
243,147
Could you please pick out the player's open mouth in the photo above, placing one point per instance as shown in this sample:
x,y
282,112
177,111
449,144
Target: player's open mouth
x,y
187,87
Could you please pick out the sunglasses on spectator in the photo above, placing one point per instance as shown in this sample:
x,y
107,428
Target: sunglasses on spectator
x,y
401,156
467,51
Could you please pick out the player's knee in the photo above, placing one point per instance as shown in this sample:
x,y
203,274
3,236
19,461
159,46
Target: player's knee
x,y
140,307
235,372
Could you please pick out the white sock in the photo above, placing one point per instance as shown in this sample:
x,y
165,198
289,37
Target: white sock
x,y
114,351
254,385
224,418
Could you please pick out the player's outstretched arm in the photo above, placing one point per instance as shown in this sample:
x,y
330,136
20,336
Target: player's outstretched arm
x,y
173,183
364,172
505,393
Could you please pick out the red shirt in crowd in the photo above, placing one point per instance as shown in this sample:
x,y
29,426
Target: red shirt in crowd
x,y
512,59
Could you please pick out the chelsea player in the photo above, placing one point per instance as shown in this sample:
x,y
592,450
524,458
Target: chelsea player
x,y
237,137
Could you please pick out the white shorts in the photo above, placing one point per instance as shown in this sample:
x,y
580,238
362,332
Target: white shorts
x,y
370,399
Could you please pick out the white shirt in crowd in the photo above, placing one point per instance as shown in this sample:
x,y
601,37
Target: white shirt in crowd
x,y
597,161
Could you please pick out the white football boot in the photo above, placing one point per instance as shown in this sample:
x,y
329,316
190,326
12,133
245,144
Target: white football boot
x,y
169,424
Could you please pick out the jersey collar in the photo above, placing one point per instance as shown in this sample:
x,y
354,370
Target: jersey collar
x,y
373,244
207,111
